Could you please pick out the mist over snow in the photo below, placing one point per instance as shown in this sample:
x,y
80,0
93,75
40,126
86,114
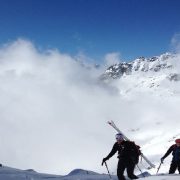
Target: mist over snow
x,y
175,42
112,58
54,109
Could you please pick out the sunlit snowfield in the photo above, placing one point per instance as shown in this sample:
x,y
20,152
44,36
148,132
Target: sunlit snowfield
x,y
7,173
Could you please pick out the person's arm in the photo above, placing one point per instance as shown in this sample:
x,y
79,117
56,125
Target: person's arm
x,y
167,153
113,151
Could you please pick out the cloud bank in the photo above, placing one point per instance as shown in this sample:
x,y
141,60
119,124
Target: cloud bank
x,y
53,113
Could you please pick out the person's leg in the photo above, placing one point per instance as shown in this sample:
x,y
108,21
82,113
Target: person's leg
x,y
179,167
173,167
130,170
120,170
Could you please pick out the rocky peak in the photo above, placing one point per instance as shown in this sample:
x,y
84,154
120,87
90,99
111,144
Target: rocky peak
x,y
142,64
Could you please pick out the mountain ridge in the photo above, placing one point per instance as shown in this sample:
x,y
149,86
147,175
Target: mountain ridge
x,y
157,75
141,64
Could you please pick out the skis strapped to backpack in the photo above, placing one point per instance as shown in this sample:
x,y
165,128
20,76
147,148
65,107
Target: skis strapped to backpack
x,y
112,124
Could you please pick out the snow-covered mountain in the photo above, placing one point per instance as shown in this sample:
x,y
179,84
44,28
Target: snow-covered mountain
x,y
142,64
145,74
49,102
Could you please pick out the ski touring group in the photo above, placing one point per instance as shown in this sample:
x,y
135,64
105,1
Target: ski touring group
x,y
129,153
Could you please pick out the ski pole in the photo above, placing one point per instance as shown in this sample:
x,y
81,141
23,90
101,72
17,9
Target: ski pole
x,y
108,170
159,167
140,170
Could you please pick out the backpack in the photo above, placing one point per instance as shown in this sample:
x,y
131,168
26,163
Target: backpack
x,y
136,152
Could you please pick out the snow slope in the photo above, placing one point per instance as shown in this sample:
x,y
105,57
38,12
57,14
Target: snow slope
x,y
159,75
7,173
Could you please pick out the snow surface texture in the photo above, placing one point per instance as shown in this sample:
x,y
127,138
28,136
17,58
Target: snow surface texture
x,y
54,109
7,173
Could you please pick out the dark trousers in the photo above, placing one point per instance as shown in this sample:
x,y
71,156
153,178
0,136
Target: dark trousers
x,y
174,165
129,166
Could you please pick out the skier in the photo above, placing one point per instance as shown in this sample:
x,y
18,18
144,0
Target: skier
x,y
175,163
128,154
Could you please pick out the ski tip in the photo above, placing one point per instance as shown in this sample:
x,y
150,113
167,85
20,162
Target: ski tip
x,y
109,122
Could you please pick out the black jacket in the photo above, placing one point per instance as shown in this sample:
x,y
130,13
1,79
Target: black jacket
x,y
175,150
127,151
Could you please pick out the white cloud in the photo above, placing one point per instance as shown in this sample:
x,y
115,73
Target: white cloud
x,y
53,113
175,43
112,58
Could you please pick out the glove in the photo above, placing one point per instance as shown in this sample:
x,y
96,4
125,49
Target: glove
x,y
104,160
162,160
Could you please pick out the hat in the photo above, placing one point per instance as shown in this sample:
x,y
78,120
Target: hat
x,y
119,136
177,140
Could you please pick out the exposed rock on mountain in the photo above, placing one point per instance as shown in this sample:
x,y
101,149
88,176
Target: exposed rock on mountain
x,y
155,75
142,64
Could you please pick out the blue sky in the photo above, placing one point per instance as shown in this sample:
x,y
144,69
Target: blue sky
x,y
132,28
